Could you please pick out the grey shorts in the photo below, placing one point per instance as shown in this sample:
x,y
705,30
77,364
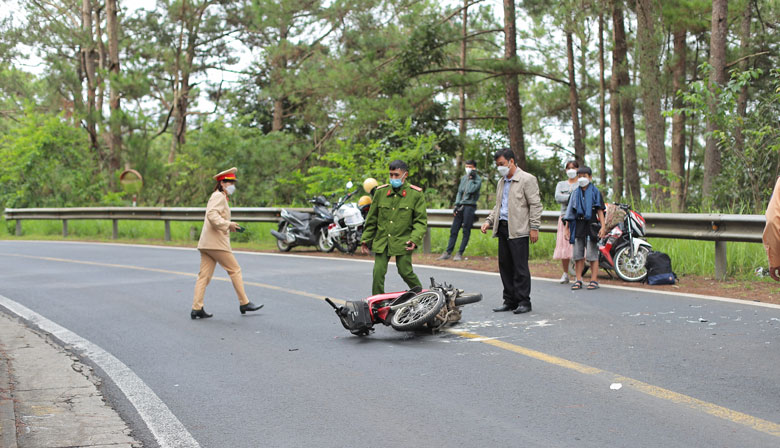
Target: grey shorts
x,y
579,249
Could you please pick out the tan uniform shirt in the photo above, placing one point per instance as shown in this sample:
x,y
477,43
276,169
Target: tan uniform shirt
x,y
525,205
216,234
772,229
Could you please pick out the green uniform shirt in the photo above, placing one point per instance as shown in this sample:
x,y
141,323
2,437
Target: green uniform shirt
x,y
395,217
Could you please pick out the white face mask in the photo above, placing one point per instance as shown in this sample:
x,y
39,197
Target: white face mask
x,y
469,170
571,174
230,189
583,181
503,170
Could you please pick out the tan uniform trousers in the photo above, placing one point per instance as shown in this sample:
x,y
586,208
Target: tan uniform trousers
x,y
208,261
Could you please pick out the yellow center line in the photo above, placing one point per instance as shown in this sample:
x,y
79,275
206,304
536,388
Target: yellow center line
x,y
756,423
749,421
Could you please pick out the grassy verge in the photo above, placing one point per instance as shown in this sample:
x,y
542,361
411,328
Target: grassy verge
x,y
688,257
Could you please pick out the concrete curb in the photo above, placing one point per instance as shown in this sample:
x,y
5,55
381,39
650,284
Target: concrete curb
x,y
52,395
7,415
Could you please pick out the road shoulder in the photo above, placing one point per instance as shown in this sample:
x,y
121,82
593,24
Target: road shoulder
x,y
55,398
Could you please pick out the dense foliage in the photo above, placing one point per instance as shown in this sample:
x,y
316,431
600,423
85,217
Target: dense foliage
x,y
305,95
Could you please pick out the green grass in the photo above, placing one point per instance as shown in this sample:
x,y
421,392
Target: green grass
x,y
688,257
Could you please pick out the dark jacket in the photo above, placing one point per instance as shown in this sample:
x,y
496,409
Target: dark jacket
x,y
468,190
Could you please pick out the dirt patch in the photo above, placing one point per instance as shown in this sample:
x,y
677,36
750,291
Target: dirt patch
x,y
755,291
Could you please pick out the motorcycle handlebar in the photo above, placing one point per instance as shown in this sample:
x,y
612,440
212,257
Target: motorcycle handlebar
x,y
330,302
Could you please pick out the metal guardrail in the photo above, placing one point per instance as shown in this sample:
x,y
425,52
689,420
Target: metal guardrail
x,y
705,227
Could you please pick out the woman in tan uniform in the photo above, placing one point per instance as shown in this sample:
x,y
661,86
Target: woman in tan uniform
x,y
214,246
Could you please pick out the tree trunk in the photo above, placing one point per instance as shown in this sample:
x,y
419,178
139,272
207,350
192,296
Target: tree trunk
x,y
602,106
742,99
102,56
650,86
717,79
514,111
462,89
678,121
115,123
88,61
279,65
616,137
620,61
579,146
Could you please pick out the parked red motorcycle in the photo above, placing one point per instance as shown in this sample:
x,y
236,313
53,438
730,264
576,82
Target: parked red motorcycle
x,y
623,250
412,310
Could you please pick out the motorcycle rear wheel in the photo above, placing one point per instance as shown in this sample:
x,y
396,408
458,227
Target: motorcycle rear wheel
x,y
422,309
631,268
282,245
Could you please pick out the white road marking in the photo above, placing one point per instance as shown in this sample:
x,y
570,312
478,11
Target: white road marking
x,y
441,268
165,427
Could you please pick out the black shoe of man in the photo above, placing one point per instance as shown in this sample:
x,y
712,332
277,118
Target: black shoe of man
x,y
503,308
522,309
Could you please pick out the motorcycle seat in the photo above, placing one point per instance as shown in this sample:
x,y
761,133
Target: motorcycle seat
x,y
303,216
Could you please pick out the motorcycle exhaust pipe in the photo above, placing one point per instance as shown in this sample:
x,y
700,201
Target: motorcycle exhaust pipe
x,y
282,237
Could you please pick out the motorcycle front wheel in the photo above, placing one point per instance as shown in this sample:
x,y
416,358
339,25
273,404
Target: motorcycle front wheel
x,y
338,246
420,310
324,244
631,268
283,246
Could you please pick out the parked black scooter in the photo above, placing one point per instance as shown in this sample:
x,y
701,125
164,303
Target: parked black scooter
x,y
305,228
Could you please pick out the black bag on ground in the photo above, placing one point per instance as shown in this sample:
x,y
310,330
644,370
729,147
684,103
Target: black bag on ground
x,y
659,269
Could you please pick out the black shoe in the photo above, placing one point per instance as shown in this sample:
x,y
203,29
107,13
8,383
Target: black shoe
x,y
249,307
194,314
522,309
503,307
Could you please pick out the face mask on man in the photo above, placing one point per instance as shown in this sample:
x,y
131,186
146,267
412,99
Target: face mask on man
x,y
395,183
571,174
503,170
230,189
583,182
469,170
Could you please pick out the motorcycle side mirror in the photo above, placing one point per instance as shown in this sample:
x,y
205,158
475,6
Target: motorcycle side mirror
x,y
349,185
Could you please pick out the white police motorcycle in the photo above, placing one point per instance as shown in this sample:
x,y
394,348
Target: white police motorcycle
x,y
347,227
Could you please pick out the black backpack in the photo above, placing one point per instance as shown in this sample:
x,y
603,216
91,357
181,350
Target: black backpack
x,y
659,269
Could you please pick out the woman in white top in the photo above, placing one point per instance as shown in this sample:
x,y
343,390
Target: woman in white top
x,y
563,191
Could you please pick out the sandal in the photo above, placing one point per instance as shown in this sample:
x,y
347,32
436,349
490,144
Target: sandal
x,y
576,285
593,285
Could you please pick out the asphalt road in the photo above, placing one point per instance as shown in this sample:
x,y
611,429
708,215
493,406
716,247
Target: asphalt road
x,y
693,372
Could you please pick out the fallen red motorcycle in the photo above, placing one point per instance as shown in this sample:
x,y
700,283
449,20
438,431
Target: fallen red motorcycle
x,y
412,310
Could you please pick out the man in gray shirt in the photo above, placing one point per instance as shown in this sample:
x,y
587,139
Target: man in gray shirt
x,y
465,208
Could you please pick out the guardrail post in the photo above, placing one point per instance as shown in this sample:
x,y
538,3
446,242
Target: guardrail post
x,y
18,227
64,228
427,241
167,230
721,260
115,233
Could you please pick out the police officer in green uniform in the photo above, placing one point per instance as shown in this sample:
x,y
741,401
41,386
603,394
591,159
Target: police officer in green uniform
x,y
395,226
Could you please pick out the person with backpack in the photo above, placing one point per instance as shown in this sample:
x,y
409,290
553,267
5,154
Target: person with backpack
x,y
771,235
586,209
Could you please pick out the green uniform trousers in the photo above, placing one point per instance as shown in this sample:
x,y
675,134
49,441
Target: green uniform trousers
x,y
404,265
